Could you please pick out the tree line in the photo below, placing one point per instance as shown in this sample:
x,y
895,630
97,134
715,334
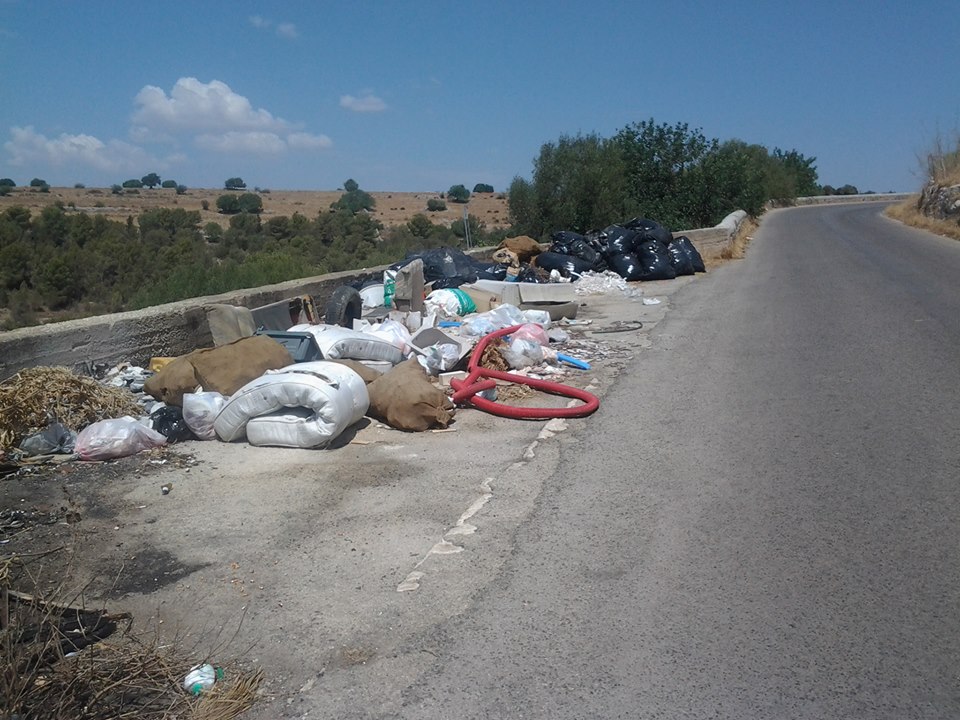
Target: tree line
x,y
671,173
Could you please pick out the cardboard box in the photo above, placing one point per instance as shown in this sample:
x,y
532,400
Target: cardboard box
x,y
519,293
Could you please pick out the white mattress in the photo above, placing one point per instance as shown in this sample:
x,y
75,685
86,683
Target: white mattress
x,y
305,405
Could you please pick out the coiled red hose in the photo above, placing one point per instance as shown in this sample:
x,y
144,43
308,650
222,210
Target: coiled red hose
x,y
480,379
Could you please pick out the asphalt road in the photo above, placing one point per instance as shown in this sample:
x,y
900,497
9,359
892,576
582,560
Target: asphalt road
x,y
764,519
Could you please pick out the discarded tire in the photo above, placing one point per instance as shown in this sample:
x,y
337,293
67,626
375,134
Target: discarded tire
x,y
344,306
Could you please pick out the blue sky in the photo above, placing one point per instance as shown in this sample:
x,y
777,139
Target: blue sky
x,y
418,96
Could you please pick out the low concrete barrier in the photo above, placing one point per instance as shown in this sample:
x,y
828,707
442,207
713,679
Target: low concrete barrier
x,y
180,327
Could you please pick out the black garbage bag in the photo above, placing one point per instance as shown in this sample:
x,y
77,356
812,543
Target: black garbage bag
x,y
53,439
618,240
448,282
647,229
655,261
491,271
692,251
566,265
444,262
530,274
680,259
564,237
626,266
168,421
578,247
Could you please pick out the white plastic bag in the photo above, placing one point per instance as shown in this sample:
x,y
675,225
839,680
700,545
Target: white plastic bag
x,y
200,410
485,323
116,438
521,353
532,331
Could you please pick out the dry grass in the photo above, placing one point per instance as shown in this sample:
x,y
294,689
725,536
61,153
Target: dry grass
x,y
61,660
35,397
733,249
392,208
908,213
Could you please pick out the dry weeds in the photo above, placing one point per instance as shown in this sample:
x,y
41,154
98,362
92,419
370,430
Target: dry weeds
x,y
907,213
35,397
63,660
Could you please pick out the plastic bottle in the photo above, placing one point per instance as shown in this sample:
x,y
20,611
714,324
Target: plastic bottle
x,y
201,677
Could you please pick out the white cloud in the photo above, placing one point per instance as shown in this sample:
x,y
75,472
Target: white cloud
x,y
259,143
287,30
366,103
259,22
196,106
28,147
308,141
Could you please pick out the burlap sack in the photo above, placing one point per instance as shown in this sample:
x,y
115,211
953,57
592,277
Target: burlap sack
x,y
404,399
174,380
228,368
524,246
223,369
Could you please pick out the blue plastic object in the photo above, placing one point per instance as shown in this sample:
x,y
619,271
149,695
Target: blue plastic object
x,y
581,364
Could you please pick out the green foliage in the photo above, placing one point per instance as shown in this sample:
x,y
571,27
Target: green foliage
x,y
234,183
228,204
133,183
420,225
434,205
182,189
205,204
167,184
354,199
116,189
458,193
459,228
671,173
79,186
38,183
483,188
5,190
7,182
151,180
250,203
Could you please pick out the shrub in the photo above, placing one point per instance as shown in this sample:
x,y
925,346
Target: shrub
x,y
133,183
483,188
434,205
37,182
234,183
250,202
7,182
79,186
181,189
116,189
5,190
458,193
168,184
228,204
205,204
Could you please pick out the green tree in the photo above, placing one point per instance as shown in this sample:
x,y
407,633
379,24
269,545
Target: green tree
x,y
234,183
420,225
458,193
354,199
168,184
483,188
38,183
351,185
133,183
151,180
228,204
7,182
250,203
182,189
435,205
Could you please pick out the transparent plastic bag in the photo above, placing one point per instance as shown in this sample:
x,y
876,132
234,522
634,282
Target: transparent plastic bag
x,y
521,353
531,331
116,438
200,410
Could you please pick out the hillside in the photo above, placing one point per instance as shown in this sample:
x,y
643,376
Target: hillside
x,y
393,208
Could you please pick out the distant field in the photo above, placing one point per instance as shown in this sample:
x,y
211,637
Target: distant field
x,y
393,208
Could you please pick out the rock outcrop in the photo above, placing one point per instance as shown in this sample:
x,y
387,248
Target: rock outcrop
x,y
940,201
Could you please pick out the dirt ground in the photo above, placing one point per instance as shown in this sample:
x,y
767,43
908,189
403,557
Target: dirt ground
x,y
392,208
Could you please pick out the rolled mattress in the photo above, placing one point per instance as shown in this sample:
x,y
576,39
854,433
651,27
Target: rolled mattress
x,y
306,405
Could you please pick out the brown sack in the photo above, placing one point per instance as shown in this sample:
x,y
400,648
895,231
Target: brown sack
x,y
223,369
524,246
404,399
228,368
173,380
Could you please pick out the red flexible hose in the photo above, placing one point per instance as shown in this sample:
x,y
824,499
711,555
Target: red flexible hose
x,y
465,391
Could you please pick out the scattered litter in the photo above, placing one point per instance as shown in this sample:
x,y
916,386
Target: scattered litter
x,y
605,283
165,489
201,677
651,301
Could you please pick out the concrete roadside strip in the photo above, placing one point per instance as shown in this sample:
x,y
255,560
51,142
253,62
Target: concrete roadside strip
x,y
324,566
